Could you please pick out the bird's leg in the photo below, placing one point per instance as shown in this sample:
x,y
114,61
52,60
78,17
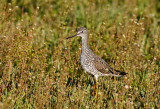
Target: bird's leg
x,y
96,90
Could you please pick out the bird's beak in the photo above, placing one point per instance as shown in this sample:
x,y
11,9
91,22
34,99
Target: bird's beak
x,y
71,36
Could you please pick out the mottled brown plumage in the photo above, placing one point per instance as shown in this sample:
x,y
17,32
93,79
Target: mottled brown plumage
x,y
104,68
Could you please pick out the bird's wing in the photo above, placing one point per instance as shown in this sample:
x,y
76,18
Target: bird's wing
x,y
104,68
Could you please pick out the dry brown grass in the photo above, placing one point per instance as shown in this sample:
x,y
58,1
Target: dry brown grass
x,y
40,69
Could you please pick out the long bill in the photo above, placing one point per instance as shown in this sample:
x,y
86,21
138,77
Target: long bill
x,y
71,36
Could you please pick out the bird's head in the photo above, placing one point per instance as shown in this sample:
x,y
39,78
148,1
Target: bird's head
x,y
82,32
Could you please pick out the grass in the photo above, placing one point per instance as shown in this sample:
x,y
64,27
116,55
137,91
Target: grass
x,y
40,69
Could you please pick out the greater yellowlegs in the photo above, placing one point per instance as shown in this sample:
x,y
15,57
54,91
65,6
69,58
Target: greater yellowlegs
x,y
91,63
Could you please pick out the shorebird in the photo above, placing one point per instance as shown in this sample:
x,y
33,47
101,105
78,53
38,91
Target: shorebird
x,y
93,64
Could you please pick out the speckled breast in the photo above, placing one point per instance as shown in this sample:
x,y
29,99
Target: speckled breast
x,y
87,64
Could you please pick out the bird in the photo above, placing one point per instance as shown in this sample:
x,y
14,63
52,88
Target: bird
x,y
93,64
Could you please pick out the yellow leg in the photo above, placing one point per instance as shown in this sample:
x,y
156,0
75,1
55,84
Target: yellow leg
x,y
94,88
96,91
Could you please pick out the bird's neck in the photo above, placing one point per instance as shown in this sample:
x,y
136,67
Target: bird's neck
x,y
85,43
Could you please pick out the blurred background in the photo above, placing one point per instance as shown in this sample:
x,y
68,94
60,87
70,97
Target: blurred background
x,y
40,69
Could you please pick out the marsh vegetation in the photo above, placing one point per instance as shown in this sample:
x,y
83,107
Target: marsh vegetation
x,y
40,69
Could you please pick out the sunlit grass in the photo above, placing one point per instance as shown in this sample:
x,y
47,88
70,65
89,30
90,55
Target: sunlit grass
x,y
40,69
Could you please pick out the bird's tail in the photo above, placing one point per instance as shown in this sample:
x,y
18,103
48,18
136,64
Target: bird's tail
x,y
117,72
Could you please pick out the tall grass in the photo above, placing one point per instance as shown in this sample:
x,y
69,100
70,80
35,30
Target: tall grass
x,y
40,69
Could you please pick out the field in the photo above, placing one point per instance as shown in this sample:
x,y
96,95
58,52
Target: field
x,y
40,69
